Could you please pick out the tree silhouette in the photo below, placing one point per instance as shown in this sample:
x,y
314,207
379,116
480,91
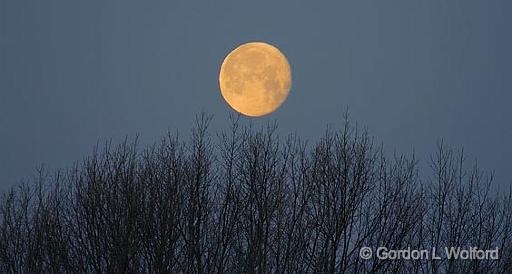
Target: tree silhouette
x,y
249,201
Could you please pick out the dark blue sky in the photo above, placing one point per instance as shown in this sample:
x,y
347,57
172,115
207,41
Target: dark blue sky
x,y
75,72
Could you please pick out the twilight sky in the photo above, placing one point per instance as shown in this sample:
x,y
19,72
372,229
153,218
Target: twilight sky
x,y
73,73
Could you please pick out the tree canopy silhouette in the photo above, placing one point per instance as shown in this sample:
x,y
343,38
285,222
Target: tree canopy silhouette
x,y
249,201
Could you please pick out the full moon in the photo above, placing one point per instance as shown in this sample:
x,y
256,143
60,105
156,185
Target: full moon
x,y
255,79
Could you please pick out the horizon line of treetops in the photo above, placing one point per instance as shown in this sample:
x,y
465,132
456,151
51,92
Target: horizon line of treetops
x,y
246,200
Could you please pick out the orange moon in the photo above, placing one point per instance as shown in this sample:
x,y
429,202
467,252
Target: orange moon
x,y
255,79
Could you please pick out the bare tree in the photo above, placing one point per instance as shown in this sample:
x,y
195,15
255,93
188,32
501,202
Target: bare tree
x,y
250,201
